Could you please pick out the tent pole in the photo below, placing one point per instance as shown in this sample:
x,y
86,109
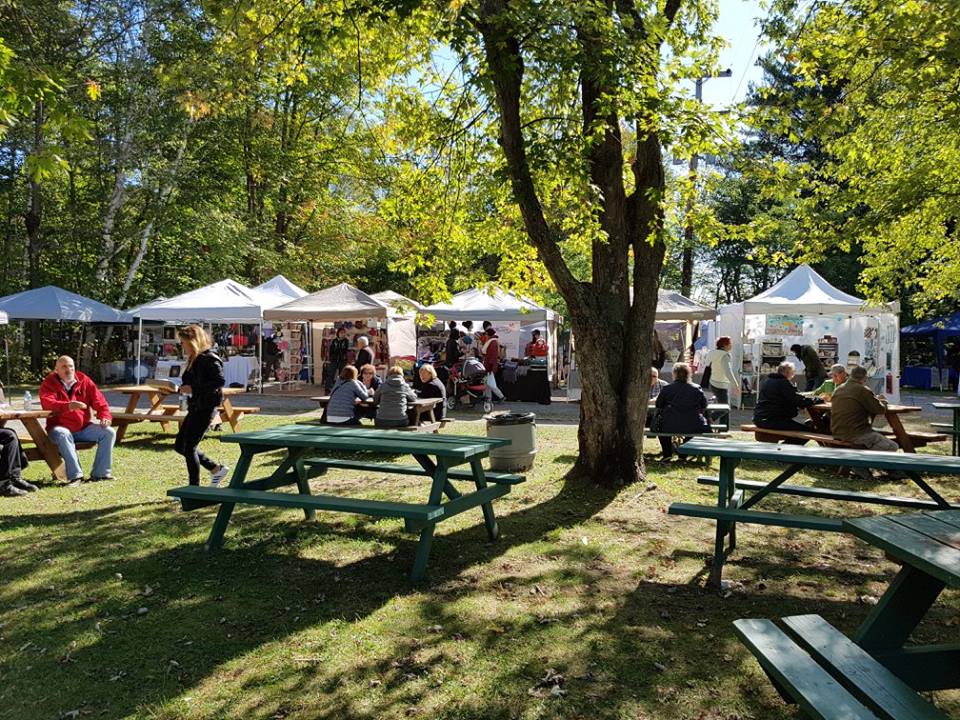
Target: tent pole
x,y
136,367
260,355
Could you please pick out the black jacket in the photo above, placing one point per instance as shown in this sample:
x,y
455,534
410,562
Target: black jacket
x,y
205,378
435,389
779,400
682,408
364,357
452,349
337,353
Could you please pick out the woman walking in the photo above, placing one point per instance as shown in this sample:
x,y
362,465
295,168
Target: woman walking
x,y
203,386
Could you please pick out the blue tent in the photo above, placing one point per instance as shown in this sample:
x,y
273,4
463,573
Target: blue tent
x,y
939,330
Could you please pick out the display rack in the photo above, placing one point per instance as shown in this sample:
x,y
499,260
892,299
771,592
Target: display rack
x,y
828,348
771,355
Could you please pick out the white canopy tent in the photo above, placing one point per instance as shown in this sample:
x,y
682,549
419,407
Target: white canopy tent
x,y
500,307
281,286
805,309
55,303
672,306
397,301
226,301
345,302
4,319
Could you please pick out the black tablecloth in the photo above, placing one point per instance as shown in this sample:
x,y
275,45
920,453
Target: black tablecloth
x,y
530,386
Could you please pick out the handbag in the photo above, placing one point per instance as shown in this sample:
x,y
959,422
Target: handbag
x,y
705,380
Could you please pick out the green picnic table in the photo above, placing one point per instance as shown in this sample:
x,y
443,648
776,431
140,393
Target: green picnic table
x,y
952,429
734,505
437,457
874,674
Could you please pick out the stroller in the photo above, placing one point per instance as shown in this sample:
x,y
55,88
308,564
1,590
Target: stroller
x,y
468,380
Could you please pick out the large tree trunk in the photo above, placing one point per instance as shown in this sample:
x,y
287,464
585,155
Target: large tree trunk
x,y
613,333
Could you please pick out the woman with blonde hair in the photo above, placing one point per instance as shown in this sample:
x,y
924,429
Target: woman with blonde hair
x,y
203,385
433,388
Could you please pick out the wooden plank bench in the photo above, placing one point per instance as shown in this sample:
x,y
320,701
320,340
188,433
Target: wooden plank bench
x,y
770,435
827,674
501,478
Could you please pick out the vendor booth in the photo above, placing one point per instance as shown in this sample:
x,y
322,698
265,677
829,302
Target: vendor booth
x,y
805,309
279,285
227,304
391,332
932,353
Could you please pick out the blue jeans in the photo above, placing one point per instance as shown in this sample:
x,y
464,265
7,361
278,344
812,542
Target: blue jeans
x,y
66,441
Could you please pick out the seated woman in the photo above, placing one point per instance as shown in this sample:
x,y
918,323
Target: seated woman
x,y
369,379
433,388
347,394
394,398
779,402
681,409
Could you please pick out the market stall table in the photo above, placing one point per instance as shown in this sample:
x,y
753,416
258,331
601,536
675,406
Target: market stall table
x,y
44,448
436,457
952,429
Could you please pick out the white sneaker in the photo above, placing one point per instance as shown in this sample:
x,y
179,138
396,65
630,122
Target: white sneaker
x,y
219,474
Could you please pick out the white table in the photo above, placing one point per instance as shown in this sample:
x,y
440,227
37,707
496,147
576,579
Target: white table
x,y
237,369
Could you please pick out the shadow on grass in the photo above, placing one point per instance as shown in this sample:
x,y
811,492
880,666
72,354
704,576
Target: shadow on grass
x,y
203,611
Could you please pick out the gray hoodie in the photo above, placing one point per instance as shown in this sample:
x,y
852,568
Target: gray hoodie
x,y
393,399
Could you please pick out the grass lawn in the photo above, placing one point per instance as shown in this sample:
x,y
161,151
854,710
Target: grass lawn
x,y
109,606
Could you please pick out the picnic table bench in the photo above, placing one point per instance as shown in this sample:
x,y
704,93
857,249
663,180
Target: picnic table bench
x,y
952,428
170,413
437,457
874,673
734,505
37,444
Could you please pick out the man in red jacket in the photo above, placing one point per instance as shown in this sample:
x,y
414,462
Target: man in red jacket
x,y
70,396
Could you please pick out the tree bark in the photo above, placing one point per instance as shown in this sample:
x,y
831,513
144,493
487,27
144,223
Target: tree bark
x,y
613,333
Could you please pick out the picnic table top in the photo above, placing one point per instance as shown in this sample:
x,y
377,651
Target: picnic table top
x,y
929,541
462,447
11,414
946,406
422,402
943,464
138,389
891,408
711,407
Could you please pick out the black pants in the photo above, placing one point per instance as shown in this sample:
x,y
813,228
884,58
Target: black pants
x,y
192,430
9,456
785,425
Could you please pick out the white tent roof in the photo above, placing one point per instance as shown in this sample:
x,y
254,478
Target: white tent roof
x,y
340,302
671,305
281,286
55,303
497,304
397,301
224,301
803,291
3,318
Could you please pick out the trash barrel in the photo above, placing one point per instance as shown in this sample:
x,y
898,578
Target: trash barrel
x,y
521,430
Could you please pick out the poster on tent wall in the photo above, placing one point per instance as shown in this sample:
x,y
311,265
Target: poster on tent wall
x,y
508,333
791,325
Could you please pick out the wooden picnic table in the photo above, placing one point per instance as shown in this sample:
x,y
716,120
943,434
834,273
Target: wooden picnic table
x,y
167,414
437,457
717,413
420,406
952,429
874,674
892,414
733,504
45,449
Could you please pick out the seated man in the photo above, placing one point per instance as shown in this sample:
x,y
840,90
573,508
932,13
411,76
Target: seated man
x,y
12,461
681,409
853,407
838,376
778,403
70,396
656,384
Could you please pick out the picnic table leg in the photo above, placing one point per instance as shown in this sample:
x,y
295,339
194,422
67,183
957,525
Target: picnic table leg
x,y
303,484
724,527
903,437
167,412
899,611
426,534
230,414
215,541
955,439
431,468
489,519
48,450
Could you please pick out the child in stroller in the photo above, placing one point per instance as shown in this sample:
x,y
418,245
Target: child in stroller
x,y
468,380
